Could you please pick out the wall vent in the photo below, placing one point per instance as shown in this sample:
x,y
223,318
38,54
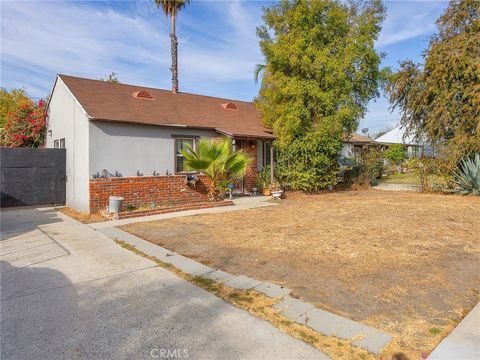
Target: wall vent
x,y
229,106
142,95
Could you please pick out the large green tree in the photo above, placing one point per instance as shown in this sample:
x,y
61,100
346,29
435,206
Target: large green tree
x,y
440,100
9,101
320,71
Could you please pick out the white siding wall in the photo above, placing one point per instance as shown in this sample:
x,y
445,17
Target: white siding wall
x,y
68,120
127,148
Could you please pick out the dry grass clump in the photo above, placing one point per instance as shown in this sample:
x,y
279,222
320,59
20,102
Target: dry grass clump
x,y
85,218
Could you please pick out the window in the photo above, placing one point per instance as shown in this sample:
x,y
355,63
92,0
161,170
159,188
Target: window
x,y
266,153
181,145
59,143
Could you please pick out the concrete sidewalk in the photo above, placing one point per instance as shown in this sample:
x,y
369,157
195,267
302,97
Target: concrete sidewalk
x,y
70,292
463,342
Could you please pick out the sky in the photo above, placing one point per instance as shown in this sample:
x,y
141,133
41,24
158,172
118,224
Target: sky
x,y
218,47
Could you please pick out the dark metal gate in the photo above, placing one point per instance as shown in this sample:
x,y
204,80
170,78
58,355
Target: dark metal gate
x,y
32,176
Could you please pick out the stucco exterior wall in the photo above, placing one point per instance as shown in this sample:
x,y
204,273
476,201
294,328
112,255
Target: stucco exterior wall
x,y
347,151
67,119
130,148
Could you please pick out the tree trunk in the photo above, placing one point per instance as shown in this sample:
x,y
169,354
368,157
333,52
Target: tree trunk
x,y
174,48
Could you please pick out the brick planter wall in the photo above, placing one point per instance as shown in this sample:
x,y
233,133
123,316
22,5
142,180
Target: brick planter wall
x,y
144,190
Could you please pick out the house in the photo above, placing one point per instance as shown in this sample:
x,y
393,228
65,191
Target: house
x,y
125,140
398,136
353,146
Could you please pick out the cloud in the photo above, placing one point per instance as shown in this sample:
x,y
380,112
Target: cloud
x,y
409,19
40,39
218,48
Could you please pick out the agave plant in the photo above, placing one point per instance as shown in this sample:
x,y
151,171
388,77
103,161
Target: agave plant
x,y
218,161
467,176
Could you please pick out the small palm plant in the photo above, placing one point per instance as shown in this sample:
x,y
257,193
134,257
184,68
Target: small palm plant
x,y
467,176
218,162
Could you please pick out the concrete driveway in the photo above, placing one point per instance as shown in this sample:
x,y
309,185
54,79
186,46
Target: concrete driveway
x,y
69,292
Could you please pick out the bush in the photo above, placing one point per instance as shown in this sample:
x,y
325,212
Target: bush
x,y
309,163
423,168
25,126
395,154
370,167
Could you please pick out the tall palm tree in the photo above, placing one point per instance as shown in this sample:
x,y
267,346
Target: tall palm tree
x,y
170,8
218,161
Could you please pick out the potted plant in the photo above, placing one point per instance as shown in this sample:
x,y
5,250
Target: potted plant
x,y
264,179
276,190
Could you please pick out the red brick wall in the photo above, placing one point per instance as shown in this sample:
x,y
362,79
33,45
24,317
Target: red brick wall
x,y
251,173
144,190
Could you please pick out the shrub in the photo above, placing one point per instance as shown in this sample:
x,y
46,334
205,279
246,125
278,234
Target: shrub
x,y
25,126
423,168
309,163
371,167
395,154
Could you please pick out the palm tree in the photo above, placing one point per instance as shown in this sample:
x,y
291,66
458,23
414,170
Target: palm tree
x,y
259,68
170,8
218,161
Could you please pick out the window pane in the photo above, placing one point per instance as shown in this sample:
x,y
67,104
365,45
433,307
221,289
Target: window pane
x,y
268,146
55,144
181,145
62,143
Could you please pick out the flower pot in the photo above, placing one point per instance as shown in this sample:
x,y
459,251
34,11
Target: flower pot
x,y
255,190
277,194
266,192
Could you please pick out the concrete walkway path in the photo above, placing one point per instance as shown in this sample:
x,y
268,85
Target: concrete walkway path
x,y
240,204
463,342
396,187
68,291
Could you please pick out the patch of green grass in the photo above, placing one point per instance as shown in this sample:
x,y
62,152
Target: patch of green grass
x,y
435,331
307,338
239,296
207,284
406,178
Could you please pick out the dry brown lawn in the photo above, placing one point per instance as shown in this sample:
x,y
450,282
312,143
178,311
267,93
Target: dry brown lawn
x,y
405,263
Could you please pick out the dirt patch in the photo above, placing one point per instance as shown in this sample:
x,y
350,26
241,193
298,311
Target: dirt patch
x,y
402,262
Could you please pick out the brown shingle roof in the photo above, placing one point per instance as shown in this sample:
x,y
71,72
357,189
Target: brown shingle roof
x,y
356,138
116,103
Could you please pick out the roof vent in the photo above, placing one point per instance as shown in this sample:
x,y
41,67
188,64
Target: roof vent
x,y
229,106
142,95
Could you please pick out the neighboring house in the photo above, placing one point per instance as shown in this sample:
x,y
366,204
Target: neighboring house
x,y
353,146
114,132
397,136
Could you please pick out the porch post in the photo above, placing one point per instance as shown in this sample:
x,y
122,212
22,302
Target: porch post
x,y
271,164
